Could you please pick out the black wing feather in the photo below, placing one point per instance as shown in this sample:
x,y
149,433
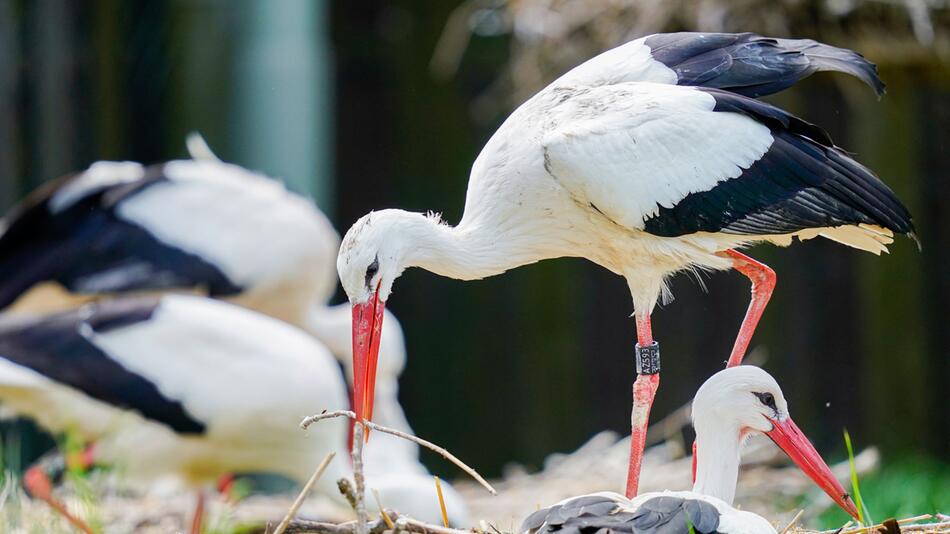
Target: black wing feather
x,y
753,65
54,346
802,181
87,248
596,514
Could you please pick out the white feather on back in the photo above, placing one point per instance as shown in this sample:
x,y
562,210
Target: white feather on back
x,y
99,175
246,224
630,62
239,363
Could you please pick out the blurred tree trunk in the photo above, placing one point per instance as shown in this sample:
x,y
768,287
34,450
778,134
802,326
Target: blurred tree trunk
x,y
9,109
894,373
108,44
54,88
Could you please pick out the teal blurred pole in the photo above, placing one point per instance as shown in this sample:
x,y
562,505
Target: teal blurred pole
x,y
282,94
9,74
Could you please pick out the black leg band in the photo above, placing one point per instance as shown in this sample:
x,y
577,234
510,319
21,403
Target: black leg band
x,y
648,359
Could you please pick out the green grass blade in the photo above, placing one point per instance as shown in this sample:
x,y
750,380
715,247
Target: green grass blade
x,y
855,486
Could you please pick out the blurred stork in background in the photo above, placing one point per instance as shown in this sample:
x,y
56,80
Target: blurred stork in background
x,y
194,388
209,227
199,225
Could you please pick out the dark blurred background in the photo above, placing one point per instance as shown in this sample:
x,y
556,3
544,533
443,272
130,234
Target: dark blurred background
x,y
369,105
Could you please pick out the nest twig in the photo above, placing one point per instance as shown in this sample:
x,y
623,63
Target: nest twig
x,y
298,502
415,439
362,525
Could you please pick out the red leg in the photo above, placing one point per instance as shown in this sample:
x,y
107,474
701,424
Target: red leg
x,y
38,484
198,518
644,390
763,282
225,487
693,463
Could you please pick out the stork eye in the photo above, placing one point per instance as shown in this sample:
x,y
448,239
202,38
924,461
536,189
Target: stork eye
x,y
767,399
371,271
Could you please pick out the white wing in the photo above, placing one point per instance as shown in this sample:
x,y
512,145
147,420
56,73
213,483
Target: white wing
x,y
631,148
679,160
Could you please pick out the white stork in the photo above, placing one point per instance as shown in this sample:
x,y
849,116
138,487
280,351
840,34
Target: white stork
x,y
201,223
616,163
731,406
121,227
195,388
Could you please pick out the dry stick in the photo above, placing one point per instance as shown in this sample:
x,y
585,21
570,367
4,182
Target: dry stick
x,y
411,525
301,526
438,491
357,455
923,517
382,511
927,526
346,488
375,527
793,521
431,446
303,493
899,521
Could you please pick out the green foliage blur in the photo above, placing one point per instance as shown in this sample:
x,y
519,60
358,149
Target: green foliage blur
x,y
904,487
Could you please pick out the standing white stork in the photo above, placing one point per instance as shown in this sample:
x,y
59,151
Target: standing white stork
x,y
616,163
195,388
731,406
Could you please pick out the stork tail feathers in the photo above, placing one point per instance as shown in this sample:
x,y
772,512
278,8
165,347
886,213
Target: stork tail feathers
x,y
753,65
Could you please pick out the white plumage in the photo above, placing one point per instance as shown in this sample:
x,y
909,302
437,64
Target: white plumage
x,y
247,379
632,148
729,407
197,224
641,162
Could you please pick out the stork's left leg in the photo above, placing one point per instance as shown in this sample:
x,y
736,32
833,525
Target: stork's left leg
x,y
37,482
763,282
644,390
198,518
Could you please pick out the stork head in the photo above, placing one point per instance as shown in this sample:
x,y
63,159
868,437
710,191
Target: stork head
x,y
744,397
374,252
740,401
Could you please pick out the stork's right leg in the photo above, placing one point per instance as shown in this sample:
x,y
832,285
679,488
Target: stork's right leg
x,y
763,283
644,390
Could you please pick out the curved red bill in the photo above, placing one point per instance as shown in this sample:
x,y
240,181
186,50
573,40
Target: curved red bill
x,y
367,327
787,435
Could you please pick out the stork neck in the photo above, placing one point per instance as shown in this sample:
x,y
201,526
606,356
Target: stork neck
x,y
717,460
464,252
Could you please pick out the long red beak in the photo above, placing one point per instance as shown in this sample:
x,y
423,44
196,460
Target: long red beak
x,y
787,435
367,327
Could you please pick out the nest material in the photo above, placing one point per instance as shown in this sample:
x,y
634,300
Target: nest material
x,y
767,486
